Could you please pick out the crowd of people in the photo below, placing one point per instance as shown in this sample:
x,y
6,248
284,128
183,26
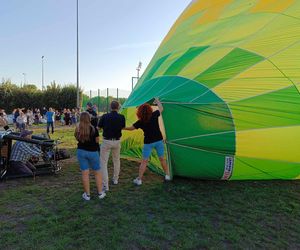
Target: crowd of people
x,y
24,118
23,153
90,155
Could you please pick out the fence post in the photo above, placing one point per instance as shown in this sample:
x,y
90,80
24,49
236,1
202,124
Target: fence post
x,y
90,94
98,100
117,94
107,100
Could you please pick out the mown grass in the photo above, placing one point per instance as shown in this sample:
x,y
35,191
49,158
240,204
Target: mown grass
x,y
48,213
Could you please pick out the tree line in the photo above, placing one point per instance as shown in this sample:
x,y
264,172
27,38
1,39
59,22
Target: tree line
x,y
29,96
55,95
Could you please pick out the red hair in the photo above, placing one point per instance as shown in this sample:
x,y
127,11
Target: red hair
x,y
144,112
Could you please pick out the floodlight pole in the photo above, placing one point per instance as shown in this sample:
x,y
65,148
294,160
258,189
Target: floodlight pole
x,y
138,69
77,82
138,75
133,80
43,73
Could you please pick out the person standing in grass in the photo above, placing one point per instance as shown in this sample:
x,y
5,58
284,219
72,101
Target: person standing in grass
x,y
50,120
21,121
62,118
67,114
112,125
93,114
16,113
148,122
88,154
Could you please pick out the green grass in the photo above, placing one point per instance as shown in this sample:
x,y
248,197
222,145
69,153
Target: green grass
x,y
48,213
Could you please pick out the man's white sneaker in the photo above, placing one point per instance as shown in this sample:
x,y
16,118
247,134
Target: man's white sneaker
x,y
167,177
137,181
85,196
102,195
115,182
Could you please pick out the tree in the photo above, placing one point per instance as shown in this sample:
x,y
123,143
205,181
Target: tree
x,y
29,96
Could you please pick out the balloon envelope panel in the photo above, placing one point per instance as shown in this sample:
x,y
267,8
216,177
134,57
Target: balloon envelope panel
x,y
228,77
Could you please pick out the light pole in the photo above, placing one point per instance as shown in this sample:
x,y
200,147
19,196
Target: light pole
x,y
42,73
138,69
77,85
135,79
24,74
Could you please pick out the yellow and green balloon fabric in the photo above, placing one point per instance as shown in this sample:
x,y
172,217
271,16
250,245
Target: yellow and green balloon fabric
x,y
228,76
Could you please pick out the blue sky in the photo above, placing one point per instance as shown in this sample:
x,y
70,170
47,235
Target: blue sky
x,y
114,36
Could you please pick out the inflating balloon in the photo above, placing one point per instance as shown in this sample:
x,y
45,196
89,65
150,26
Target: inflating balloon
x,y
228,76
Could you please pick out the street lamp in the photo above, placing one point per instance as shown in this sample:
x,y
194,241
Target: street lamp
x,y
42,73
77,85
24,74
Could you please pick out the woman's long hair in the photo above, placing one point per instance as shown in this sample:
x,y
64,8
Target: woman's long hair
x,y
144,112
83,131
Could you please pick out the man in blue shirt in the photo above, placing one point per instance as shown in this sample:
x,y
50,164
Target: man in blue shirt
x,y
50,120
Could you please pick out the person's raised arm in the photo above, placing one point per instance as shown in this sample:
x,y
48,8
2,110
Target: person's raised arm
x,y
129,128
159,105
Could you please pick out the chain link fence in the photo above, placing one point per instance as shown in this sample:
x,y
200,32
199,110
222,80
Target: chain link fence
x,y
101,98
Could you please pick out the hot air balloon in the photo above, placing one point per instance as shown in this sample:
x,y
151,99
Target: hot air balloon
x,y
228,76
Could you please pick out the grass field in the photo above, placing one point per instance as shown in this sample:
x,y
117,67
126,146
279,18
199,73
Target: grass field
x,y
48,213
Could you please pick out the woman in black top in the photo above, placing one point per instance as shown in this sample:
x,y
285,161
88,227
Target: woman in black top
x,y
148,122
88,154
